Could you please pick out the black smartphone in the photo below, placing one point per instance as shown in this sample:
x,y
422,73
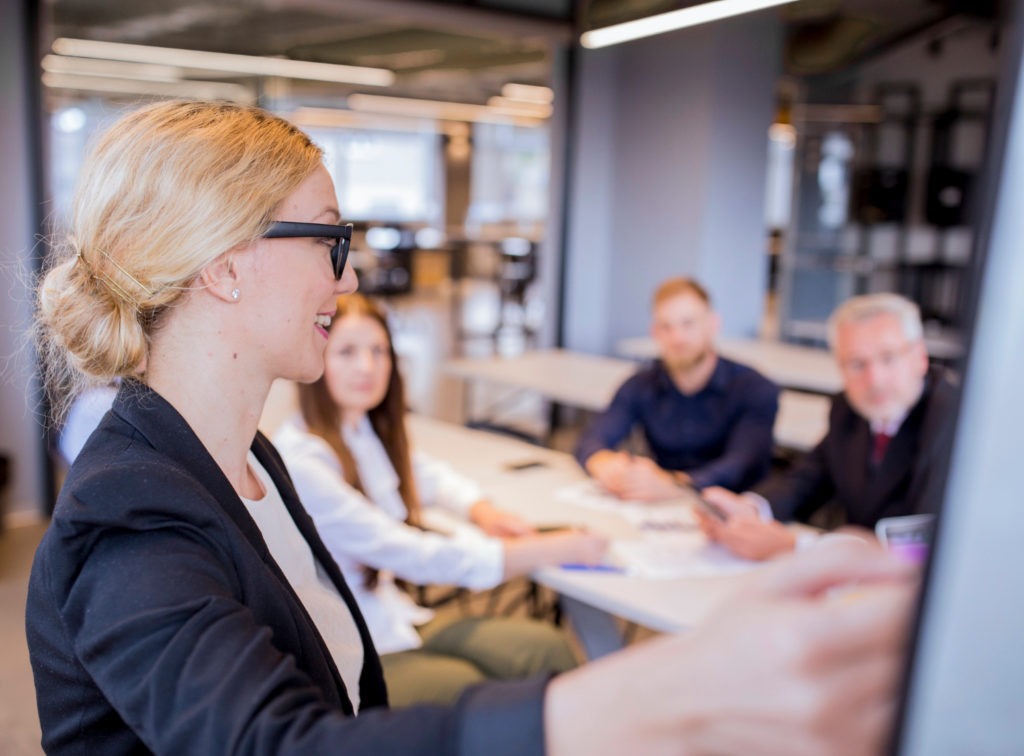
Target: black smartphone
x,y
712,509
526,464
556,528
708,506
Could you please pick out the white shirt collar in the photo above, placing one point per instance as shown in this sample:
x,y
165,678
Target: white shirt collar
x,y
890,427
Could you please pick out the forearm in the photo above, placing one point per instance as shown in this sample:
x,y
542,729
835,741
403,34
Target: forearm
x,y
524,555
745,460
608,428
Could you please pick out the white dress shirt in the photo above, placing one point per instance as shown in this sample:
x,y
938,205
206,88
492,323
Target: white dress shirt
x,y
315,590
370,529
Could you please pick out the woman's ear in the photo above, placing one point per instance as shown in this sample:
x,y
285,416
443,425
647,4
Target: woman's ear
x,y
220,279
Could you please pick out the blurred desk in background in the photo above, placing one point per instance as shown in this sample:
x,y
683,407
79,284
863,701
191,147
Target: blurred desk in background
x,y
589,382
791,366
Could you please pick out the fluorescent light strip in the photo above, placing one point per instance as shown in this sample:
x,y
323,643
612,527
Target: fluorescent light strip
x,y
452,111
196,90
528,93
527,108
677,19
60,64
311,117
226,62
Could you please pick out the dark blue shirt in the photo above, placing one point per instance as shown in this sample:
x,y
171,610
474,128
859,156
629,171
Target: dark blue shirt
x,y
720,436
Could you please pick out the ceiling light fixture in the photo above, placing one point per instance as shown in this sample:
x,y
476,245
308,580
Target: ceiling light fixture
x,y
528,93
439,109
527,108
253,65
336,118
118,69
195,90
677,19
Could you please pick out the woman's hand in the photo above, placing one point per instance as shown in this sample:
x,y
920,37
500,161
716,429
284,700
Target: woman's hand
x,y
498,522
743,532
630,477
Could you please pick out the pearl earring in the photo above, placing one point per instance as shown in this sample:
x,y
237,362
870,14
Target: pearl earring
x,y
235,294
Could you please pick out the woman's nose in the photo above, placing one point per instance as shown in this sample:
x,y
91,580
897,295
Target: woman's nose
x,y
348,282
364,359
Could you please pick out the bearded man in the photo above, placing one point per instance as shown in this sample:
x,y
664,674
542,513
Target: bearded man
x,y
707,420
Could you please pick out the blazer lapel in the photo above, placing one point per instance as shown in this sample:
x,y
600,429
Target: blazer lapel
x,y
900,460
891,473
165,429
857,466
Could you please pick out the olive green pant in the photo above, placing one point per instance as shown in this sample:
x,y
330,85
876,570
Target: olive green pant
x,y
470,650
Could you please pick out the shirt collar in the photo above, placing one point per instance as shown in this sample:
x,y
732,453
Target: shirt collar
x,y
891,428
360,432
718,382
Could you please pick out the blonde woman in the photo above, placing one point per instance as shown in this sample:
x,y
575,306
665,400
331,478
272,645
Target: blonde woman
x,y
182,602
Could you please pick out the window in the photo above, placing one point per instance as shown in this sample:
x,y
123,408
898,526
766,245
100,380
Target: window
x,y
510,174
384,175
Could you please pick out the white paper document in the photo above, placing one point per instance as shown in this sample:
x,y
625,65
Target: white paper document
x,y
674,556
668,544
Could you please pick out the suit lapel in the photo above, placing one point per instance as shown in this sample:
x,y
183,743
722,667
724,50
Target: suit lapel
x,y
901,459
166,431
855,445
892,472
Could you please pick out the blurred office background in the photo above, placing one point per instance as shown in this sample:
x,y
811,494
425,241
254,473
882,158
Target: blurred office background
x,y
512,189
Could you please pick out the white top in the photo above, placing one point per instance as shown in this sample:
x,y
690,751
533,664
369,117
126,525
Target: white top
x,y
370,529
325,605
85,414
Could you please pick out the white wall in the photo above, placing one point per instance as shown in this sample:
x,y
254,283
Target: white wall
x,y
668,176
20,431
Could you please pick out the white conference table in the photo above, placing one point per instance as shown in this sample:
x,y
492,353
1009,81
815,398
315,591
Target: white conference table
x,y
590,599
791,366
589,382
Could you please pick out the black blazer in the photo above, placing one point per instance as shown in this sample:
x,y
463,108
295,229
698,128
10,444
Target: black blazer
x,y
839,468
157,620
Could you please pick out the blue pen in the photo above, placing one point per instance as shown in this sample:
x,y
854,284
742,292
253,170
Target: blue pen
x,y
592,567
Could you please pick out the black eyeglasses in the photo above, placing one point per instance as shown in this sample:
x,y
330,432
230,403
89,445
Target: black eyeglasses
x,y
339,252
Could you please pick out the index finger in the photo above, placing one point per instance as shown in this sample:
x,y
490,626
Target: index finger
x,y
834,564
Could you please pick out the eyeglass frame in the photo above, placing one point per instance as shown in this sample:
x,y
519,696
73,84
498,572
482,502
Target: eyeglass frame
x,y
885,359
296,230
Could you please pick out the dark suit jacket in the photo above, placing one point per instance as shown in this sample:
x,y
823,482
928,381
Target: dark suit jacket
x,y
158,621
839,468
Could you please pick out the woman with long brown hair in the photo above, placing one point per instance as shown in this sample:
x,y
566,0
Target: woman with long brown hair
x,y
352,465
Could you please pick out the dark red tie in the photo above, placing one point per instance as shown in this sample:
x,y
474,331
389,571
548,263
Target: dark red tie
x,y
880,445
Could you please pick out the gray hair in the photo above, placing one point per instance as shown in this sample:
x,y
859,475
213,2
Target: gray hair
x,y
859,309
